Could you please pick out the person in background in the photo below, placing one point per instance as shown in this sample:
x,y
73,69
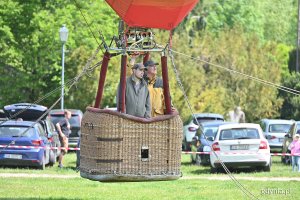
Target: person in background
x,y
64,130
237,115
294,151
137,98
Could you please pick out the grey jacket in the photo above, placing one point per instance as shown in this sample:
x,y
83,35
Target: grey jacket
x,y
137,103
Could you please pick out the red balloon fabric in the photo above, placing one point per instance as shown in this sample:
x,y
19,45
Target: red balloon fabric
x,y
162,14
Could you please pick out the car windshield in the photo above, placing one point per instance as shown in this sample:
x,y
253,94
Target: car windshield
x,y
74,121
210,131
8,131
206,119
239,133
279,128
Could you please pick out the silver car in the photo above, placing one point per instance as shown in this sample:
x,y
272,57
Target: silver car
x,y
275,130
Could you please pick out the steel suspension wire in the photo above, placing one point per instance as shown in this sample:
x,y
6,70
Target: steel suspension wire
x,y
77,5
238,184
280,87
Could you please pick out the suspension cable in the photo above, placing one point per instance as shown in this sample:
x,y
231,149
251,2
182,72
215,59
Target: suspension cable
x,y
77,5
231,176
280,87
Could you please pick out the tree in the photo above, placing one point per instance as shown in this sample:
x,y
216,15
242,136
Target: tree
x,y
212,88
269,20
291,103
30,30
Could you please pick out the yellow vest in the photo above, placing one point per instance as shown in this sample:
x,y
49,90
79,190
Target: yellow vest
x,y
157,99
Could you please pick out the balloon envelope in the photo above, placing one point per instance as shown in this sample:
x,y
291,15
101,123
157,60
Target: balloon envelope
x,y
162,14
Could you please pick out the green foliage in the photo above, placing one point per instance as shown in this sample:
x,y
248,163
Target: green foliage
x,y
31,48
218,77
270,20
283,56
291,103
250,37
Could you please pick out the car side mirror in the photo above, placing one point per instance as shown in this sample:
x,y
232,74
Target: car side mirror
x,y
211,138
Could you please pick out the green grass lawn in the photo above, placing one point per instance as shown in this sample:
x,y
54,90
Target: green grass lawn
x,y
192,188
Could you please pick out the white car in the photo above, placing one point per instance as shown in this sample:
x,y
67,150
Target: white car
x,y
239,146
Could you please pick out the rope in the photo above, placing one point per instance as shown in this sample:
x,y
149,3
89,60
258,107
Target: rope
x,y
77,5
280,87
238,184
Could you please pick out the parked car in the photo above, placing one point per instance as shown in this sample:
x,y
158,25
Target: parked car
x,y
191,126
53,138
13,132
32,112
275,130
239,146
288,138
56,115
2,115
204,138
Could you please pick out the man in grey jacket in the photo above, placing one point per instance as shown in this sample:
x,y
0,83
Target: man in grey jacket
x,y
137,98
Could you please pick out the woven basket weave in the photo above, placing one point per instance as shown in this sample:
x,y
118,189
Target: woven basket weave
x,y
119,147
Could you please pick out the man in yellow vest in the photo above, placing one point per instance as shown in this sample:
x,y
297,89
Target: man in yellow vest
x,y
155,87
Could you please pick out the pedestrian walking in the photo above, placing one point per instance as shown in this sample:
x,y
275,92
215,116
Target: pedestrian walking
x,y
64,130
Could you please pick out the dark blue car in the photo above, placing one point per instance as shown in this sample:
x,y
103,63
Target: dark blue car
x,y
33,112
28,134
203,140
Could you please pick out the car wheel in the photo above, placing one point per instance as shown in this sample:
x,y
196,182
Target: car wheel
x,y
214,170
268,167
52,158
42,165
198,159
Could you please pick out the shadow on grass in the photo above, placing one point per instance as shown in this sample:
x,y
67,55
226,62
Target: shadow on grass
x,y
201,171
206,170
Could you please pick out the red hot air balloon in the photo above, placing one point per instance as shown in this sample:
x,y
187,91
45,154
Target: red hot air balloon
x,y
161,14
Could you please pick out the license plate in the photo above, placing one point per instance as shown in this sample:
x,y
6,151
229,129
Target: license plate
x,y
239,147
13,156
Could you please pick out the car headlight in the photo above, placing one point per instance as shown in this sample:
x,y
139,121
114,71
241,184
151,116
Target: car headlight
x,y
207,148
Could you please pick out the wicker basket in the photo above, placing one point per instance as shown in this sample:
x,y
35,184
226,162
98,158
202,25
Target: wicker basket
x,y
119,147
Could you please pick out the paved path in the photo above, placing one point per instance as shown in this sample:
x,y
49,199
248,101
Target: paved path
x,y
221,177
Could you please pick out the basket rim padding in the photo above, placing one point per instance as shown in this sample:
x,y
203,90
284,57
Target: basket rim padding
x,y
134,118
